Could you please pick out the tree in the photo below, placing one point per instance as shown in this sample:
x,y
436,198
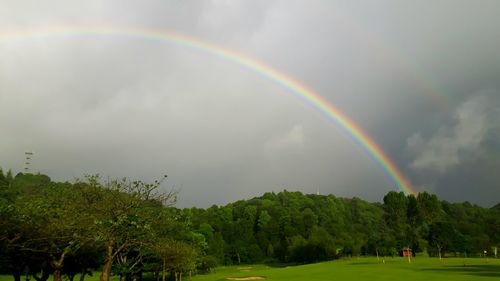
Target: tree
x,y
415,223
122,215
310,220
45,226
208,263
216,246
429,207
441,237
396,208
176,257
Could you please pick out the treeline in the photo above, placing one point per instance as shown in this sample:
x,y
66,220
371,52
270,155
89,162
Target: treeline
x,y
293,227
130,229
119,227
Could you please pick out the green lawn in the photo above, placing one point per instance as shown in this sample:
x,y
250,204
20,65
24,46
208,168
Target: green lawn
x,y
421,268
370,269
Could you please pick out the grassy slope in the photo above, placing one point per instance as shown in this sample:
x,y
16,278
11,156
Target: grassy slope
x,y
360,269
370,269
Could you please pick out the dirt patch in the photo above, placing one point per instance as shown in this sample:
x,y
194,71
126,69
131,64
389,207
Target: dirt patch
x,y
247,278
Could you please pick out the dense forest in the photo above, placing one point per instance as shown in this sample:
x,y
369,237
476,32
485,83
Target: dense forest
x,y
132,229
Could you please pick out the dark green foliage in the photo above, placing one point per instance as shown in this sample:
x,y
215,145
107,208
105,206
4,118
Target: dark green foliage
x,y
289,227
208,264
293,227
62,228
125,228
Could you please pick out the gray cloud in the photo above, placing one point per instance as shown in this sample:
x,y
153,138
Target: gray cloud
x,y
450,147
127,107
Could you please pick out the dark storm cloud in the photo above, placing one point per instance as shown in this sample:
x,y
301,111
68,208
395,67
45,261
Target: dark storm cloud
x,y
422,78
461,156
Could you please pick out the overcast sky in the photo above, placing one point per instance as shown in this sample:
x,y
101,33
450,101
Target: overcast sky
x,y
420,77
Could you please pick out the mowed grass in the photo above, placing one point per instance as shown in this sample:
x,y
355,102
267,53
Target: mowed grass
x,y
421,268
370,269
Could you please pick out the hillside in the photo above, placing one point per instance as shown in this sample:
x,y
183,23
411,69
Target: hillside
x,y
295,227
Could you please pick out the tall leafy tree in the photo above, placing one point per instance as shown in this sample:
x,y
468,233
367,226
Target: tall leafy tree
x,y
121,213
396,208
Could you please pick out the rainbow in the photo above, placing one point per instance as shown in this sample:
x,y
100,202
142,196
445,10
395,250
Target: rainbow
x,y
297,89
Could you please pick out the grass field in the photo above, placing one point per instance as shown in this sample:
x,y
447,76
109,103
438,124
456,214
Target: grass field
x,y
427,269
369,269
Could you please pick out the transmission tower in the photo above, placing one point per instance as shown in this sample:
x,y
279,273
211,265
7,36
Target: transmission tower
x,y
28,155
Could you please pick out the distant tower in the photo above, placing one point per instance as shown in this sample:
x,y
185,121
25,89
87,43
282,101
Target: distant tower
x,y
28,155
317,192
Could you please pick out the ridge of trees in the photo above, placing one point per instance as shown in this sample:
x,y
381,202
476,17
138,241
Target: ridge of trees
x,y
302,228
129,228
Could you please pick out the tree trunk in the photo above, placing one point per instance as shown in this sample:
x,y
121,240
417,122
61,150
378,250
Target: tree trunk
x,y
45,275
57,265
57,275
164,272
82,274
108,262
17,275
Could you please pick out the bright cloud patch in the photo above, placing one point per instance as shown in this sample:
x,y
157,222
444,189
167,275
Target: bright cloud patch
x,y
451,146
291,140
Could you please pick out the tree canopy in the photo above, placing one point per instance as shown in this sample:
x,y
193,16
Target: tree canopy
x,y
128,228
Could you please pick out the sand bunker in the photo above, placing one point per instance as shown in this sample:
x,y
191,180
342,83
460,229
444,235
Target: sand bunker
x,y
246,278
